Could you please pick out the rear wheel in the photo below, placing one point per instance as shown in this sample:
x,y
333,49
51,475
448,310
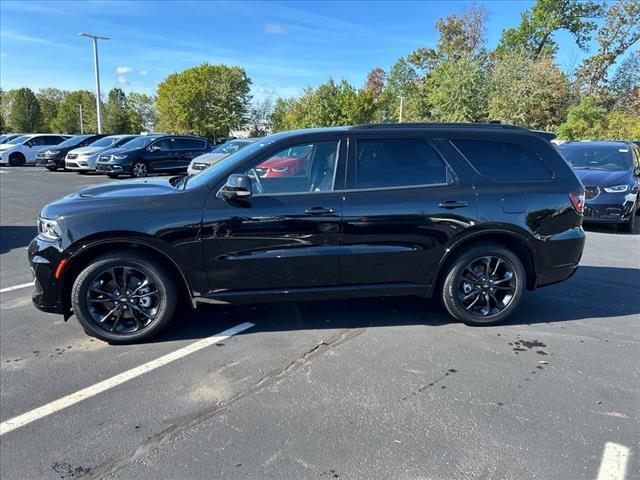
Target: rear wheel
x,y
484,285
52,168
124,297
112,175
16,160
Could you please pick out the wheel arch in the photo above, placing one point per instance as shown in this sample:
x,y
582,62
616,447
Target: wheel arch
x,y
86,250
515,242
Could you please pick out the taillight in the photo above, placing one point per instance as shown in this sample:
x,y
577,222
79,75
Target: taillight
x,y
577,200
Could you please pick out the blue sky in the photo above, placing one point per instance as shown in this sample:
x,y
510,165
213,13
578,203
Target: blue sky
x,y
283,46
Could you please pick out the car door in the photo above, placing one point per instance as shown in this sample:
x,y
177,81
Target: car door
x,y
287,234
402,205
33,146
184,150
158,154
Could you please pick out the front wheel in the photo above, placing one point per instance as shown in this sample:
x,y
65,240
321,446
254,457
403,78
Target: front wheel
x,y
139,169
16,160
484,285
124,297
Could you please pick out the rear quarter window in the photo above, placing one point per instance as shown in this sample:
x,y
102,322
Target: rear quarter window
x,y
188,144
503,161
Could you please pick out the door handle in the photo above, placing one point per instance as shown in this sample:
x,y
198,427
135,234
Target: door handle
x,y
451,204
318,211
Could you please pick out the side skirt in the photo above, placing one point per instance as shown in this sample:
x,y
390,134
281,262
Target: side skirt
x,y
313,293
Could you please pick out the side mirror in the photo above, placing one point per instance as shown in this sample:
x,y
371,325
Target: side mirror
x,y
153,148
237,187
29,144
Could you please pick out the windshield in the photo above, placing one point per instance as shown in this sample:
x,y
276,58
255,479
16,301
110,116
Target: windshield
x,y
73,141
105,142
19,140
139,142
231,147
584,157
211,174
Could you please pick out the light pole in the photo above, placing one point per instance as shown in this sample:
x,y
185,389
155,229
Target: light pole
x,y
401,108
81,122
95,39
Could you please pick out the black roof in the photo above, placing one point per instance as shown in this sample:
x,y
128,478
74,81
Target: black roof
x,y
420,125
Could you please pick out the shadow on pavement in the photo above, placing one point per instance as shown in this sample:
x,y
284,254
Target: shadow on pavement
x,y
593,292
16,236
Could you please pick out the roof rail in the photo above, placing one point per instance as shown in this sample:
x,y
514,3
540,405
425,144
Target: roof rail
x,y
490,125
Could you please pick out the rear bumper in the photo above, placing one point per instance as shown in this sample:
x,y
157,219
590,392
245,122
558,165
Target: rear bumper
x,y
559,256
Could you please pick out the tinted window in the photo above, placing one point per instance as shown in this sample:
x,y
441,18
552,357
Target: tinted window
x,y
311,169
164,144
38,141
188,144
503,161
397,163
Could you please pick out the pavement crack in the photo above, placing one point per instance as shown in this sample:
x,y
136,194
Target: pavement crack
x,y
187,422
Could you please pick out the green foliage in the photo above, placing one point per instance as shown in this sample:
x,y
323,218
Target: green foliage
x,y
49,100
585,121
534,35
143,115
116,114
532,93
25,115
259,122
622,126
68,117
208,99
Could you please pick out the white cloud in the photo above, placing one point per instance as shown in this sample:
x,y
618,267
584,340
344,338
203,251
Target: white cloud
x,y
266,90
122,80
274,29
144,72
123,70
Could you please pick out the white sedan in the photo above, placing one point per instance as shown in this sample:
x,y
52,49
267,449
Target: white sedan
x,y
22,150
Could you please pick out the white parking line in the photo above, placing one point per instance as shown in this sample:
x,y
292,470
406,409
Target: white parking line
x,y
64,402
16,287
614,462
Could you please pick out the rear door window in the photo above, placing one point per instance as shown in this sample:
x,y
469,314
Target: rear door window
x,y
503,161
397,162
188,144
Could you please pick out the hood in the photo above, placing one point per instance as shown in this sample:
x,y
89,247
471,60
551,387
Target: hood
x,y
6,146
603,178
119,151
209,158
87,150
110,195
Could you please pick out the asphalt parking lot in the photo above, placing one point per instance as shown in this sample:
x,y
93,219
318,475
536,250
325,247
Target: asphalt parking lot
x,y
358,389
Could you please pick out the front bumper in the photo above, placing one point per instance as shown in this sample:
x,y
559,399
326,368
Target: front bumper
x,y
43,161
111,168
44,258
76,165
610,208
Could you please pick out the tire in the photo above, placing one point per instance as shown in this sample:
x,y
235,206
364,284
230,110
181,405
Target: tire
x,y
52,169
139,169
112,315
17,160
630,224
503,293
110,175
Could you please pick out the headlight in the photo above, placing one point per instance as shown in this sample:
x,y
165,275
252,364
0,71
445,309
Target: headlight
x,y
119,157
279,169
49,229
53,152
616,189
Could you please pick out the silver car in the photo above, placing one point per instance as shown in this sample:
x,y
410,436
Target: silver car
x,y
84,159
207,159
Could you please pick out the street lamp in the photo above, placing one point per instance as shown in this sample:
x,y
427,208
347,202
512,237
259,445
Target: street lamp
x,y
95,39
401,109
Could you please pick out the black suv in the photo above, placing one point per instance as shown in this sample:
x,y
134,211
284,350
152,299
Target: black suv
x,y
155,153
470,214
610,173
53,158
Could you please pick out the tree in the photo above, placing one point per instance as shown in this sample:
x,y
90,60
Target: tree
x,y
116,114
532,93
50,100
534,35
622,126
3,123
456,91
142,112
260,118
68,118
625,84
25,115
209,100
619,32
585,121
402,81
375,82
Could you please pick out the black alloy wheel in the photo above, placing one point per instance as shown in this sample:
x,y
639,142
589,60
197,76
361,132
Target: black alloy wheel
x,y
123,298
484,285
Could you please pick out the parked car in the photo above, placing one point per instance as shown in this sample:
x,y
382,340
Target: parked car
x,y
9,136
53,158
207,159
294,162
84,159
153,154
610,172
22,150
470,214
